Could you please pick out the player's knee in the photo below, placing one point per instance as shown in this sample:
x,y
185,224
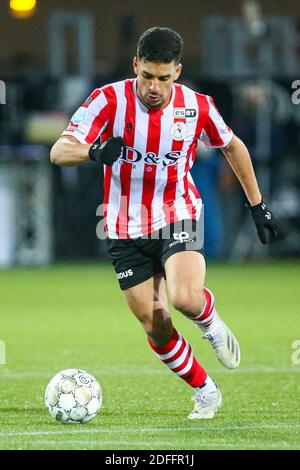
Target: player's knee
x,y
188,301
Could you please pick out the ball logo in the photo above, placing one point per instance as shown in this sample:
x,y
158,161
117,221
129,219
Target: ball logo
x,y
58,416
83,379
179,131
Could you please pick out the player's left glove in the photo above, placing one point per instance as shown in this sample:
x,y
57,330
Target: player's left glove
x,y
264,220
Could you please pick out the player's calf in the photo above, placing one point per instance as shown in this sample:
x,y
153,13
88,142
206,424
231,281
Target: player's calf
x,y
177,354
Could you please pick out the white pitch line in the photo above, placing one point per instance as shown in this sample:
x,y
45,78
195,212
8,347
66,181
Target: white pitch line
x,y
164,444
154,430
136,371
101,445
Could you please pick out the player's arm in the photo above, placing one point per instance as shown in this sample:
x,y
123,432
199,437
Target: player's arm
x,y
239,159
216,134
76,145
68,151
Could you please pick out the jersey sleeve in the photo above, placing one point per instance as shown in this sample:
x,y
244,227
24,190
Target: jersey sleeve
x,y
90,120
215,132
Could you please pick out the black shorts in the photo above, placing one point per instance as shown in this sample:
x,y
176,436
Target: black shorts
x,y
136,260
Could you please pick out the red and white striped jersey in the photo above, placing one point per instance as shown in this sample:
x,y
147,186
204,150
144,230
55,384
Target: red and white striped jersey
x,y
150,185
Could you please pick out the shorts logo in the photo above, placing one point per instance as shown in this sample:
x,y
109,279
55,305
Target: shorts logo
x,y
127,273
181,236
184,113
179,131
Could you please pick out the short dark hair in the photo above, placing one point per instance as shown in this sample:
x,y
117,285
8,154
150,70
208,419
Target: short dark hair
x,y
160,45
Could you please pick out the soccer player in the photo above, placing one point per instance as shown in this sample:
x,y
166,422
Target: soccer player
x,y
144,131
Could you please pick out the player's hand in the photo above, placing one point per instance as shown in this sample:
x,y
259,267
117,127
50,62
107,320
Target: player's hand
x,y
264,220
108,152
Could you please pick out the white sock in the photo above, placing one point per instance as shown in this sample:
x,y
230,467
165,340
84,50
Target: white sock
x,y
208,386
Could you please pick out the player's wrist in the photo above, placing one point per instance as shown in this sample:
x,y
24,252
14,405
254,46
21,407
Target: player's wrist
x,y
93,152
255,201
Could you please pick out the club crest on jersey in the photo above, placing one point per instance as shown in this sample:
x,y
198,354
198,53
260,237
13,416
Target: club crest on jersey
x,y
184,113
179,131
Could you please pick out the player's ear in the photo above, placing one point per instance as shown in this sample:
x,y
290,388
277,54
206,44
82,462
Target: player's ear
x,y
135,65
178,69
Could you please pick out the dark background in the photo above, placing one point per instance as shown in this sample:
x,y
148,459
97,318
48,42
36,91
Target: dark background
x,y
38,108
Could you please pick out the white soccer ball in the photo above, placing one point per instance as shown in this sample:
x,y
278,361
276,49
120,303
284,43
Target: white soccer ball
x,y
73,396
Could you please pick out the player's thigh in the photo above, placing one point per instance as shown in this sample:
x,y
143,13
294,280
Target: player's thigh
x,y
148,300
185,277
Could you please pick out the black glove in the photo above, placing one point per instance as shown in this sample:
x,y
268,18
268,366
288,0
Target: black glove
x,y
108,152
264,221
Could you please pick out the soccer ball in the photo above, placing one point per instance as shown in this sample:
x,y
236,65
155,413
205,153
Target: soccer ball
x,y
73,396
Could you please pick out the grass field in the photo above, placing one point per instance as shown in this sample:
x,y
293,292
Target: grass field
x,y
75,316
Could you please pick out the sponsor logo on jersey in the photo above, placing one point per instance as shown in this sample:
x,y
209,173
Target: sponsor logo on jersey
x,y
131,155
184,113
179,131
127,273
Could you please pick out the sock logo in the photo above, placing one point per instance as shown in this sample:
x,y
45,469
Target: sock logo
x,y
127,273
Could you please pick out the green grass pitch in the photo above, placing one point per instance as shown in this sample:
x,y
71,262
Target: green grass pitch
x,y
75,316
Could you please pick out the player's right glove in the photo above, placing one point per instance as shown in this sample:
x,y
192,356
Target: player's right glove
x,y
264,220
108,152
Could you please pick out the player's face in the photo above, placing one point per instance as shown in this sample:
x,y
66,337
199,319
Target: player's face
x,y
155,81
